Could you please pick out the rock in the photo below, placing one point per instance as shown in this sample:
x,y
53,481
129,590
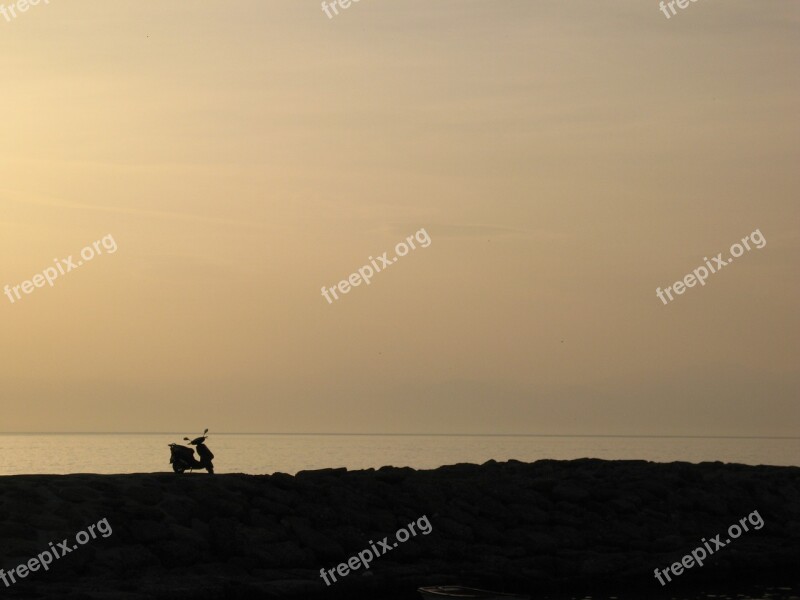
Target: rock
x,y
148,495
393,475
176,553
323,546
148,531
544,527
570,491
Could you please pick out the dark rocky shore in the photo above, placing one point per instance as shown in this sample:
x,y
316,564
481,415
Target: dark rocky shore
x,y
578,526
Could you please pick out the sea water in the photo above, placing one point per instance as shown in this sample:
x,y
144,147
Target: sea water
x,y
270,453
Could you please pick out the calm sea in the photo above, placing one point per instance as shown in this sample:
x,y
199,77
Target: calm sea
x,y
269,453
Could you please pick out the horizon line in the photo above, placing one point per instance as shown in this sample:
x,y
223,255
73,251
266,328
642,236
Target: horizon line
x,y
544,435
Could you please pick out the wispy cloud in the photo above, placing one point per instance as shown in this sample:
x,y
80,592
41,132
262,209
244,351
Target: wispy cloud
x,y
451,230
154,214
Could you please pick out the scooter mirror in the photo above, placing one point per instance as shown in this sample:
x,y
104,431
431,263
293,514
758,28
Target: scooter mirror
x,y
205,432
187,439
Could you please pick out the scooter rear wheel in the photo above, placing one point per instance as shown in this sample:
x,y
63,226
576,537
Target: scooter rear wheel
x,y
178,467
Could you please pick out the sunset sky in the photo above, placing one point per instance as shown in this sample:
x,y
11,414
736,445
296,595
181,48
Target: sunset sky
x,y
566,159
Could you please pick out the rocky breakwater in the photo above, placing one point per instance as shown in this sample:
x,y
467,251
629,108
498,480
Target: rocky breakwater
x,y
582,525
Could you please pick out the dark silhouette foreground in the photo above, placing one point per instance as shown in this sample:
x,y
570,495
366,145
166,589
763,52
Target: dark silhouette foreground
x,y
583,526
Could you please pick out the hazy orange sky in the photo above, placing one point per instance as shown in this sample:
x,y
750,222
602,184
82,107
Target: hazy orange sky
x,y
566,158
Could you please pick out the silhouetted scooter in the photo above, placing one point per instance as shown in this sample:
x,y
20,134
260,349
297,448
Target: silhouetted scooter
x,y
182,457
